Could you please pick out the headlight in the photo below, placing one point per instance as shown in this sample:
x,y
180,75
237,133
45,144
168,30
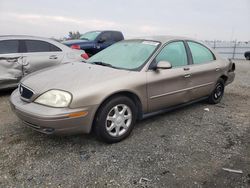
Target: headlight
x,y
54,98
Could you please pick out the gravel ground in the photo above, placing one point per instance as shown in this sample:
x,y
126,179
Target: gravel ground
x,y
187,147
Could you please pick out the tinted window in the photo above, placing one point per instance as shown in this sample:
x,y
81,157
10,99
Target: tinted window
x,y
40,46
200,53
117,36
8,46
107,36
175,53
54,48
90,35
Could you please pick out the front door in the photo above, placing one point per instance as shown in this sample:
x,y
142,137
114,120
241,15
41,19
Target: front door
x,y
167,87
10,63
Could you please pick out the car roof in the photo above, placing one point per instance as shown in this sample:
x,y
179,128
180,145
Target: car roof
x,y
22,37
164,38
28,37
103,31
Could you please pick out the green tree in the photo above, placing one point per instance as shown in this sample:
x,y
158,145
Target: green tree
x,y
74,35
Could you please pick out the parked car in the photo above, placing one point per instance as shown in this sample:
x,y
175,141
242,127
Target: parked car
x,y
95,41
129,80
247,55
21,55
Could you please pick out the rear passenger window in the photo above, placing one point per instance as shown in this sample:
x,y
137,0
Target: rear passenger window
x,y
175,53
40,46
200,53
9,46
54,48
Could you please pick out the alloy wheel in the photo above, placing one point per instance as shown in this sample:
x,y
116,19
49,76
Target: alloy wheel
x,y
118,120
218,91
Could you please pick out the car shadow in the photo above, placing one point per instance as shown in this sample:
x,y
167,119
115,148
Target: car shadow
x,y
34,139
161,115
6,92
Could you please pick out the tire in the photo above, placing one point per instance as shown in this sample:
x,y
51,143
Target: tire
x,y
217,94
248,57
115,119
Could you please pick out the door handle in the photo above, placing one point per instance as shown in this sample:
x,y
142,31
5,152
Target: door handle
x,y
186,68
187,76
217,69
53,57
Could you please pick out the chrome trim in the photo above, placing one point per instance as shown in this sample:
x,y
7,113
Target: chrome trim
x,y
181,90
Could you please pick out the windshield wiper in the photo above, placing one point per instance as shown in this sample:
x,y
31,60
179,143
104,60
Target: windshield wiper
x,y
103,64
84,38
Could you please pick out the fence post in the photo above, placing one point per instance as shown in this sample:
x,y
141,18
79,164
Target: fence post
x,y
214,44
234,49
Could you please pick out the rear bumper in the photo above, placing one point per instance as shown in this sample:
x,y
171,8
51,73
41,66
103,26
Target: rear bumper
x,y
50,120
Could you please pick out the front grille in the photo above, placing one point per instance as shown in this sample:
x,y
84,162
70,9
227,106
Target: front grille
x,y
25,92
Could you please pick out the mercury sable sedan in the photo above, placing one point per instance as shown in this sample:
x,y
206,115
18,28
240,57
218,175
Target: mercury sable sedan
x,y
128,81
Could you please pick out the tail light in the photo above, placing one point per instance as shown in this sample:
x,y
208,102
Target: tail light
x,y
85,56
77,47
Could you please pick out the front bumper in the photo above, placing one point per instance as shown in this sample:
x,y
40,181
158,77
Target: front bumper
x,y
51,120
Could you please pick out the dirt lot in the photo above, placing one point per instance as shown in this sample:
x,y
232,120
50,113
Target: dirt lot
x,y
187,147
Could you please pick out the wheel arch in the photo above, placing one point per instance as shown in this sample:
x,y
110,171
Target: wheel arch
x,y
134,97
224,77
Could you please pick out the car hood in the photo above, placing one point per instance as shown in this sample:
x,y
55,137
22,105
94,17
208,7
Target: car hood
x,y
71,42
71,77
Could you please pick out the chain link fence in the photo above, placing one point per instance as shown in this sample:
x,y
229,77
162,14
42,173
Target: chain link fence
x,y
232,50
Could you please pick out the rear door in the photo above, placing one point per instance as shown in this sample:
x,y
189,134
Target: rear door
x,y
204,72
40,54
10,63
167,87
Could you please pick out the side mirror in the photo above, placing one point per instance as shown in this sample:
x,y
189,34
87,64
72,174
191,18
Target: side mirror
x,y
101,40
163,65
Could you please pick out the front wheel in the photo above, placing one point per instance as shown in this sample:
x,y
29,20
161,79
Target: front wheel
x,y
217,94
115,119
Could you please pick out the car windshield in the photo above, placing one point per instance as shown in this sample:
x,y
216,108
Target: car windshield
x,y
129,55
90,35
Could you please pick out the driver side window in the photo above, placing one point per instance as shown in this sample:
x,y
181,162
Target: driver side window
x,y
106,37
175,53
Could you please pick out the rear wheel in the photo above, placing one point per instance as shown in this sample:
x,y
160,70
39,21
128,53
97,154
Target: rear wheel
x,y
115,119
217,93
248,57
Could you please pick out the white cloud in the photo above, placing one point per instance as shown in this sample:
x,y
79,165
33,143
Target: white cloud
x,y
38,19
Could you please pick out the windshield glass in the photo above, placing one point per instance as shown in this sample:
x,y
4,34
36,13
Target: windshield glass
x,y
126,55
90,35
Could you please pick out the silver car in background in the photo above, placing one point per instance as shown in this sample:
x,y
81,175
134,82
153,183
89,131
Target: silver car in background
x,y
21,55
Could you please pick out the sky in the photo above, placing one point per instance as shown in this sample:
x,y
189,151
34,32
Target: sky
x,y
199,19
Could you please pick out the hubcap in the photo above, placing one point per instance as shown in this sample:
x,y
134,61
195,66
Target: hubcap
x,y
118,120
218,92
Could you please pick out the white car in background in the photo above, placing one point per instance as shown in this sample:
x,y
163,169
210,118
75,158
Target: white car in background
x,y
21,55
